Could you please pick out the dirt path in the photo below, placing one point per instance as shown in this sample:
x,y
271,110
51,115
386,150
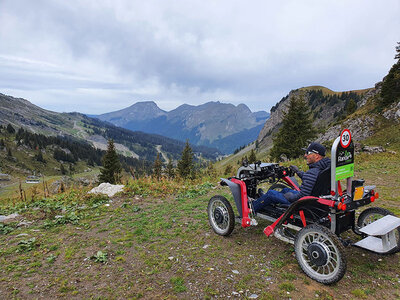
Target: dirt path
x,y
158,147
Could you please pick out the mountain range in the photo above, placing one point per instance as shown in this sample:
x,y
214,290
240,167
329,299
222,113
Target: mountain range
x,y
21,113
214,124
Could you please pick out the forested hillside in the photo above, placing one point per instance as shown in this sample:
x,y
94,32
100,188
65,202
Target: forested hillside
x,y
24,152
20,113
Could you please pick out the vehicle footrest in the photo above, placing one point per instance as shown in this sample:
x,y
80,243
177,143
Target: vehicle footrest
x,y
381,235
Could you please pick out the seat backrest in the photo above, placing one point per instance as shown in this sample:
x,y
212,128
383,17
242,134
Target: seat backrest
x,y
322,186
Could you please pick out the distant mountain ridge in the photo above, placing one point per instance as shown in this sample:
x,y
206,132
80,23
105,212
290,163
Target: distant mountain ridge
x,y
213,124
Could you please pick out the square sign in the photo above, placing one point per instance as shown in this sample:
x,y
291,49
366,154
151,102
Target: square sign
x,y
344,156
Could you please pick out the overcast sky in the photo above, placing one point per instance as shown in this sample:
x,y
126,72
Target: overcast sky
x,y
100,56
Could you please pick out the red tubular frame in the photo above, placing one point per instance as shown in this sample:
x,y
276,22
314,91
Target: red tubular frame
x,y
245,206
246,221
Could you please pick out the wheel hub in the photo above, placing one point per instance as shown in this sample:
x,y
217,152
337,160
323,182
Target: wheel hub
x,y
317,254
218,216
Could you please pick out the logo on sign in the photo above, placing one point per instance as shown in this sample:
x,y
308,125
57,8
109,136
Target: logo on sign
x,y
344,156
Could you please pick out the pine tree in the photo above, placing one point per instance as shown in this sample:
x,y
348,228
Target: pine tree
x,y
252,157
2,144
90,162
10,129
390,91
62,169
9,153
228,170
185,164
111,170
157,168
170,169
39,157
351,106
296,131
211,169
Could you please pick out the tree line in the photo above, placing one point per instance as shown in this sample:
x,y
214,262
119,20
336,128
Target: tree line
x,y
69,149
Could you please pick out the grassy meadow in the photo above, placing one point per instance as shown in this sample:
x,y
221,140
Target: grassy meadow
x,y
153,241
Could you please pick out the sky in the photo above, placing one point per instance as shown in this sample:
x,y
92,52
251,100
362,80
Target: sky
x,y
98,56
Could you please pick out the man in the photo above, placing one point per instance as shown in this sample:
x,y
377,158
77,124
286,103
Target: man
x,y
316,161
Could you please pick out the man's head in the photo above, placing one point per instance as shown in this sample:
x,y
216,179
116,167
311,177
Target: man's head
x,y
314,152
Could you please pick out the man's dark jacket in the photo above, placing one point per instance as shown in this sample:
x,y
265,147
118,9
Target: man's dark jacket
x,y
310,177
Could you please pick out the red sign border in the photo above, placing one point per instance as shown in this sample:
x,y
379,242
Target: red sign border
x,y
345,130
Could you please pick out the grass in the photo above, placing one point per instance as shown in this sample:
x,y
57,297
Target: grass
x,y
151,242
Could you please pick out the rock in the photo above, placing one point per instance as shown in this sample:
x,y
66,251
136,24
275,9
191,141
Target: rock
x,y
22,234
24,223
253,296
108,189
235,271
83,181
373,149
360,127
206,246
9,218
393,112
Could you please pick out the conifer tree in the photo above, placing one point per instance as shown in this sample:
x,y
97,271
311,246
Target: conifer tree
x,y
157,168
228,170
211,169
91,162
9,154
390,91
2,144
111,170
170,169
62,169
252,157
351,106
10,129
39,157
185,164
296,131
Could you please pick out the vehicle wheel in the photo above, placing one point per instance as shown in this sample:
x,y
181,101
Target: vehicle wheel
x,y
220,215
320,254
375,213
277,187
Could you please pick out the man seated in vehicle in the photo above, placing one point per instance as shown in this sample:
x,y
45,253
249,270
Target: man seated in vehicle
x,y
316,161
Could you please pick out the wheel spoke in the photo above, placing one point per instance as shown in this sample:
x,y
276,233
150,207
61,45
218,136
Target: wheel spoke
x,y
318,268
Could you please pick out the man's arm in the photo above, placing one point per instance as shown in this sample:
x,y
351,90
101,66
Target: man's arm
x,y
309,179
297,171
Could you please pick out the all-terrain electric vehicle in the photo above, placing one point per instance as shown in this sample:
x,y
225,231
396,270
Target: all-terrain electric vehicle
x,y
313,224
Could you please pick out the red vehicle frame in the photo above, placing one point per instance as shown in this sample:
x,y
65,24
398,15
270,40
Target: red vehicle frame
x,y
313,223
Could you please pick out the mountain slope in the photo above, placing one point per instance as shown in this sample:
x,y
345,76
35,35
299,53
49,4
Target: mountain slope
x,y
21,113
213,124
327,107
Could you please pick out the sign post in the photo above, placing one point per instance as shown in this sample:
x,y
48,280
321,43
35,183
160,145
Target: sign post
x,y
342,161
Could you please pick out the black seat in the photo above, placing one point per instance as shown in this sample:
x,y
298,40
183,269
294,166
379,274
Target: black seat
x,y
322,186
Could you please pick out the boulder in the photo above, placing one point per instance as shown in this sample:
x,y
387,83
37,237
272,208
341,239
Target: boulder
x,y
108,189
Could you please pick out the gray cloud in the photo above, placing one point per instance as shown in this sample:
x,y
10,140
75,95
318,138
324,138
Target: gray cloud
x,y
98,56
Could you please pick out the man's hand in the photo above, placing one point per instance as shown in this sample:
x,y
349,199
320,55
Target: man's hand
x,y
294,169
